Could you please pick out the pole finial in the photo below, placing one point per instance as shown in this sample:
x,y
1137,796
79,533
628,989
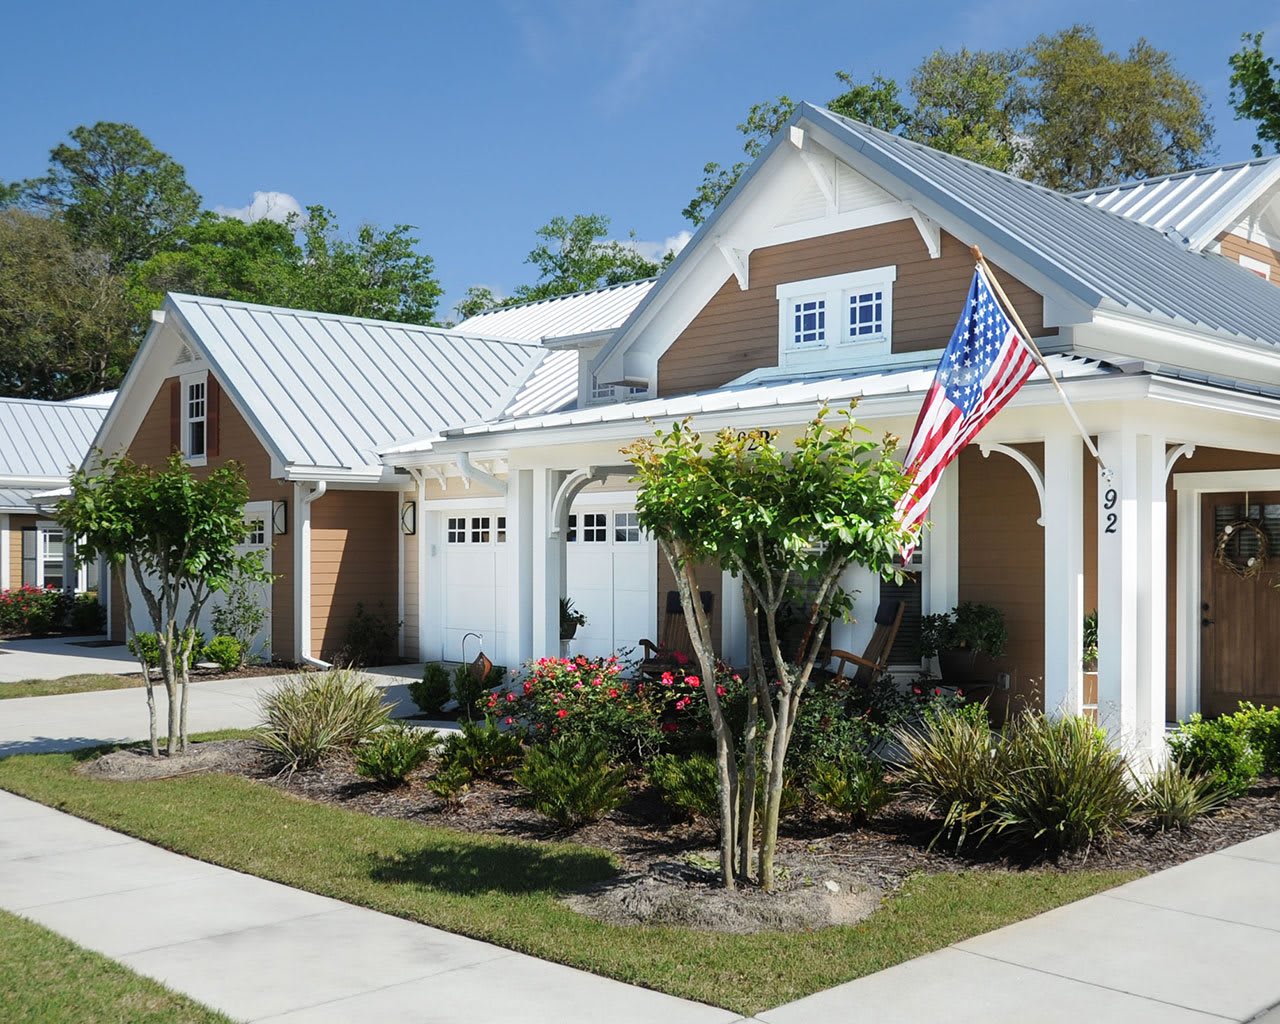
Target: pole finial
x,y
976,253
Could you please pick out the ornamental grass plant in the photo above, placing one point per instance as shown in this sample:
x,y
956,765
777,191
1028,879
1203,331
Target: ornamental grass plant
x,y
307,718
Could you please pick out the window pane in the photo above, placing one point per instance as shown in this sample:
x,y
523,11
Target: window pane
x,y
479,529
500,531
810,321
457,530
195,437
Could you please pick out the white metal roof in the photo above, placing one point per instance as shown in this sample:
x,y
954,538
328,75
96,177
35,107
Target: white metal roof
x,y
564,316
743,397
1192,206
328,391
551,387
45,440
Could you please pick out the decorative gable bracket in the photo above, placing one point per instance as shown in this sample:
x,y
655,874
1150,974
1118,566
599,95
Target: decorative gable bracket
x,y
739,261
930,231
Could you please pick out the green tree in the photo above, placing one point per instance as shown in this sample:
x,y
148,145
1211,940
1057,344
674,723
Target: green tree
x,y
787,521
877,102
971,103
65,322
478,299
1255,90
575,254
378,274
224,258
176,537
117,192
1099,117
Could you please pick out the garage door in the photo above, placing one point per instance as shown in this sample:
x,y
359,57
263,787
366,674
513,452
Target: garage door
x,y
257,515
609,578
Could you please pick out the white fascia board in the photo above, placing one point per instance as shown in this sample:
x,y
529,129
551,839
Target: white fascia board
x,y
588,339
1238,210
127,412
23,482
1116,331
338,475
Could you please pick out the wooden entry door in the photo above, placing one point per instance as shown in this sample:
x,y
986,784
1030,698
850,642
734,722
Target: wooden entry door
x,y
1239,617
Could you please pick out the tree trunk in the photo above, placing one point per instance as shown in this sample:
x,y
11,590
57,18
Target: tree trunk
x,y
171,688
773,791
750,738
142,662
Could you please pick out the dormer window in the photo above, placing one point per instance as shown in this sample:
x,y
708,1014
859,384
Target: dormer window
x,y
195,417
836,321
601,393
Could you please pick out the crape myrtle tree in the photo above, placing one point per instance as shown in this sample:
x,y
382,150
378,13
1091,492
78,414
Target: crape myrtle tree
x,y
177,538
787,521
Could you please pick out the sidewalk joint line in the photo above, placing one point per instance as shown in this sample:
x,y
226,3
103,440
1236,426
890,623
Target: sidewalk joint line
x,y
1188,913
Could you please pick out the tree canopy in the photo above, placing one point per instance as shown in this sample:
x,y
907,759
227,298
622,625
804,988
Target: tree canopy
x,y
1061,111
574,254
1255,90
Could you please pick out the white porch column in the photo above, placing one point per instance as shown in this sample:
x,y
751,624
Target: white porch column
x,y
548,564
941,583
431,580
733,623
5,569
1131,591
1063,520
421,550
519,568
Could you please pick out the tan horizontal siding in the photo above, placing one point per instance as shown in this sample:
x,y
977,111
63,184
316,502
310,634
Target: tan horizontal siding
x,y
353,560
737,330
17,523
1002,564
1233,247
236,442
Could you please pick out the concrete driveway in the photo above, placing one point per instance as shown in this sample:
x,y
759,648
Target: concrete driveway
x,y
53,657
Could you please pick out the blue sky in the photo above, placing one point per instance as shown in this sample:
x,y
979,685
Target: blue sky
x,y
478,122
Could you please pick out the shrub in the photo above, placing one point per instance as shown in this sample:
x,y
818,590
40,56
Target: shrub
x,y
36,610
951,763
146,646
87,615
1061,786
431,692
571,780
371,637
1218,748
226,651
853,786
969,626
1261,727
241,614
688,784
586,697
472,691
310,717
449,783
481,749
1173,797
392,753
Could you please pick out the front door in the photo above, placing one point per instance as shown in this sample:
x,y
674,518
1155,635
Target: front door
x,y
1240,601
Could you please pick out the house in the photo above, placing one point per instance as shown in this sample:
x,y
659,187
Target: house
x,y
470,479
40,443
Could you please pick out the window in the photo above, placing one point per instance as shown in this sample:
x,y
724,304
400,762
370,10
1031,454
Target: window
x,y
595,527
456,530
626,528
809,321
835,320
257,532
500,530
479,529
44,557
613,392
195,412
571,534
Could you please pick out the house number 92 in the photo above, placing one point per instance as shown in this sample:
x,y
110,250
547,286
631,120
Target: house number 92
x,y
1108,503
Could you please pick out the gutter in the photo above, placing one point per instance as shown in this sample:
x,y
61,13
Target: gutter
x,y
302,570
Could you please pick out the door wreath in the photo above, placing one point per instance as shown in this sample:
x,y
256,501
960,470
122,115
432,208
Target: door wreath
x,y
1227,553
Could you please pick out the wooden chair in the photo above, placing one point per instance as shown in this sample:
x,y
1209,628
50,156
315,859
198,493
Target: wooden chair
x,y
875,658
673,636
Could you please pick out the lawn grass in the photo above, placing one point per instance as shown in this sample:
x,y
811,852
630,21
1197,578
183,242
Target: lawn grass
x,y
82,683
504,891
46,978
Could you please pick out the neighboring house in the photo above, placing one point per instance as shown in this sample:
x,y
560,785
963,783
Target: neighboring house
x,y
469,479
835,270
40,444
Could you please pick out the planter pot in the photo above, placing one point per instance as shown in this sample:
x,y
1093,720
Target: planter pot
x,y
565,645
958,667
568,632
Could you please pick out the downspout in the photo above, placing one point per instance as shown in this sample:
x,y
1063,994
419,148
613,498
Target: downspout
x,y
302,573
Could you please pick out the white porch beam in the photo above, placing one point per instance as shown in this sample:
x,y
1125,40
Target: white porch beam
x,y
519,574
1063,518
1132,592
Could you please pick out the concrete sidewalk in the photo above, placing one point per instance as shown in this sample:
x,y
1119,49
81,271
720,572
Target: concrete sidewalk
x,y
1196,944
51,657
259,951
38,725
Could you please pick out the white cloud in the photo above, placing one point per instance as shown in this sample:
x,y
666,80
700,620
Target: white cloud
x,y
277,206
656,250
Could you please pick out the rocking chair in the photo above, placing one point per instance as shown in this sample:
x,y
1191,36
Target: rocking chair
x,y
673,639
875,658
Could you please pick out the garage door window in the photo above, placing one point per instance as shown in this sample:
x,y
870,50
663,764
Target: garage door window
x,y
500,530
480,529
457,530
626,528
595,527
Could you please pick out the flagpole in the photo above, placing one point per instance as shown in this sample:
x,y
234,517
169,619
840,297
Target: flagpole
x,y
1026,336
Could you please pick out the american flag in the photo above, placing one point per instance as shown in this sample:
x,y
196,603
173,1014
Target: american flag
x,y
983,366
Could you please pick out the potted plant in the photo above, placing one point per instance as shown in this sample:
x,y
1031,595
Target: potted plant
x,y
956,638
570,619
1089,665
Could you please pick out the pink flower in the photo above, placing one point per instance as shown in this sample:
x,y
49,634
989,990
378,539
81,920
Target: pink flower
x,y
493,700
578,685
528,688
680,658
721,691
693,681
509,720
511,698
668,679
682,703
613,693
561,713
